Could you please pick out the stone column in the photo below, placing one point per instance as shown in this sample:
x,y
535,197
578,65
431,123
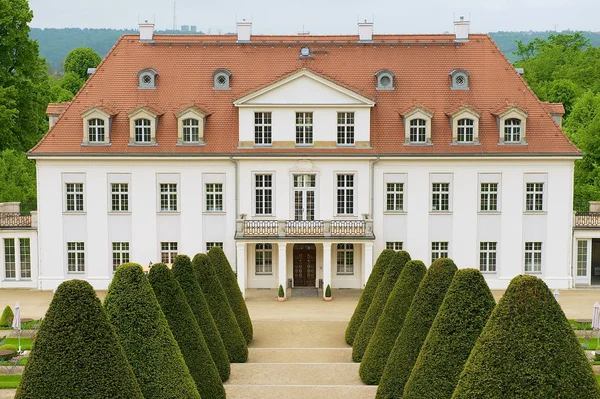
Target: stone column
x,y
241,266
367,261
326,266
282,246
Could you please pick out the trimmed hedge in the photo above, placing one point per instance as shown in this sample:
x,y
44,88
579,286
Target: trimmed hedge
x,y
385,287
527,350
229,282
143,331
234,341
390,322
76,353
184,273
368,293
7,317
186,331
459,322
422,312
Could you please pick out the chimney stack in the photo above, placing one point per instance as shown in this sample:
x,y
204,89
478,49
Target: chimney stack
x,y
146,32
461,30
244,31
365,31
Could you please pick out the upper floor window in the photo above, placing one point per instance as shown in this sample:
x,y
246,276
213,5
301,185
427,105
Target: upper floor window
x,y
120,197
440,197
465,125
190,125
96,130
345,128
465,130
168,252
534,197
10,259
264,258
168,197
221,79
142,125
96,125
512,123
418,131
395,197
191,131
512,130
143,131
263,191
75,257
74,193
262,128
345,259
533,257
417,125
147,79
489,197
214,197
345,194
304,128
25,257
439,250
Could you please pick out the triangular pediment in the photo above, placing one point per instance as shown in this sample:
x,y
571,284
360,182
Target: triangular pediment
x,y
304,88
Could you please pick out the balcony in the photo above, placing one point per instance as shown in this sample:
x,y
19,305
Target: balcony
x,y
304,228
17,215
587,220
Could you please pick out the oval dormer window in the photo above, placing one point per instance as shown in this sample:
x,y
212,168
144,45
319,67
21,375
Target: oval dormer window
x,y
460,79
221,79
385,80
147,79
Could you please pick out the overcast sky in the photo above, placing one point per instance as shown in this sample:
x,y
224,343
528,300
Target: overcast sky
x,y
322,16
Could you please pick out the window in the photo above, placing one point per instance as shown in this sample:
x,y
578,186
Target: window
x,y
489,197
95,130
394,245
214,197
534,197
168,197
75,257
345,128
395,197
264,258
221,79
345,194
345,259
512,130
74,197
460,79
487,256
209,245
120,197
120,254
385,80
304,128
440,197
263,191
418,130
533,257
465,132
439,250
143,131
147,78
304,197
10,259
262,128
582,258
168,252
191,131
25,255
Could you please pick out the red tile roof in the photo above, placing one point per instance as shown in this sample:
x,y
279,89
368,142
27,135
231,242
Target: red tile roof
x,y
57,108
554,108
421,64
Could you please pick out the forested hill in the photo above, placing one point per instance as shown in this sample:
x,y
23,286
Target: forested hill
x,y
55,44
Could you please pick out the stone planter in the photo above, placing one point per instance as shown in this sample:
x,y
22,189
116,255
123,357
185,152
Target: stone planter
x,y
328,299
281,298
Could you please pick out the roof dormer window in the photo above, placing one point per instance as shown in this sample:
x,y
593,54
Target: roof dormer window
x,y
221,79
96,130
418,131
512,130
465,125
147,79
143,131
142,125
460,79
385,80
512,124
417,126
191,122
96,125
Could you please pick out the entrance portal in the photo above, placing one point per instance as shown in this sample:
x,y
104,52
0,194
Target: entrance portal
x,y
305,265
595,262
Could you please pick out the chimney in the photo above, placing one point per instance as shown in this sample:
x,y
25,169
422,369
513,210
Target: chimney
x,y
244,31
146,32
461,30
365,31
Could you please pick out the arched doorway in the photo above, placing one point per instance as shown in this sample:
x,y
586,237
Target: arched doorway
x,y
305,265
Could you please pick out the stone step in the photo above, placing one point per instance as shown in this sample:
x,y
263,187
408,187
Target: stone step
x,y
298,334
300,392
300,355
294,374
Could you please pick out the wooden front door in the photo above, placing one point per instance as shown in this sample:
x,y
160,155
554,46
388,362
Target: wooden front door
x,y
305,265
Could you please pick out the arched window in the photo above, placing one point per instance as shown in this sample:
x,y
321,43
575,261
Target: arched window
x,y
264,258
385,79
512,130
418,130
143,131
96,130
191,130
221,79
460,79
465,130
147,78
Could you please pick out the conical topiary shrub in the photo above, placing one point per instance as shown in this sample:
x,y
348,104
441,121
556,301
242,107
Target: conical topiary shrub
x,y
229,283
186,331
7,317
234,341
184,273
390,322
76,353
459,322
417,323
527,350
368,293
144,333
385,287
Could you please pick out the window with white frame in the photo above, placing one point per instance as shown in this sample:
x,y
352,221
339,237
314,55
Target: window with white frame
x,y
96,130
533,257
143,130
75,257
168,252
345,194
487,256
209,245
512,130
345,259
345,128
394,245
191,130
534,197
74,197
25,257
263,128
214,197
168,197
582,258
120,254
10,259
489,197
440,197
465,130
304,128
395,197
119,197
439,249
418,130
263,194
264,258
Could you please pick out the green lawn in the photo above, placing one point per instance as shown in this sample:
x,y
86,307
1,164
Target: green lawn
x,y
580,326
10,381
25,343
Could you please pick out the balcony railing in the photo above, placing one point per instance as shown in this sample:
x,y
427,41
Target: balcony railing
x,y
14,219
304,228
587,220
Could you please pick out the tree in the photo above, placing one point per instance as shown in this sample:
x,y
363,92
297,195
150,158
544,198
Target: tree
x,y
390,322
71,82
184,274
417,323
143,331
186,331
234,341
234,295
17,177
459,322
79,60
368,293
76,353
7,317
527,350
385,287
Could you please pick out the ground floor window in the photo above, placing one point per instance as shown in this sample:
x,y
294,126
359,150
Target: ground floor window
x,y
10,260
120,254
582,258
76,257
264,259
25,257
394,245
168,252
345,259
487,256
533,257
439,249
209,245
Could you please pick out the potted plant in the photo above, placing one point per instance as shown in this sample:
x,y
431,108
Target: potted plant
x,y
281,294
328,293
